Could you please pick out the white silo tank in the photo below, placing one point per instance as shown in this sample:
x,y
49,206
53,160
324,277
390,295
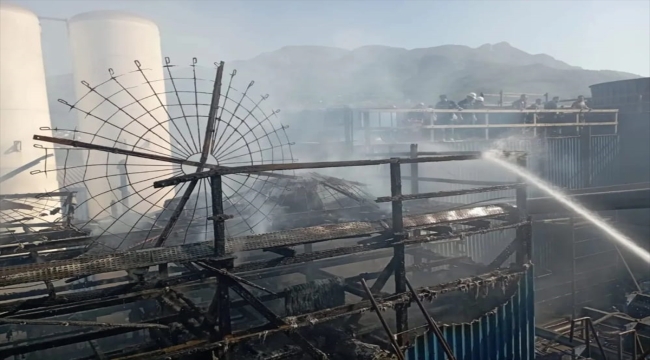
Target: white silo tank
x,y
105,40
23,101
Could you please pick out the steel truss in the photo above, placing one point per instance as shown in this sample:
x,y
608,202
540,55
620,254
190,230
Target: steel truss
x,y
207,328
171,324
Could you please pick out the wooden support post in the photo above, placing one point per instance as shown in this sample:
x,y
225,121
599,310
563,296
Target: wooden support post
x,y
398,252
415,189
221,302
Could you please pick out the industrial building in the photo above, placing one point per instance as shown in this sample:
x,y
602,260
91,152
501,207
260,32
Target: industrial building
x,y
174,216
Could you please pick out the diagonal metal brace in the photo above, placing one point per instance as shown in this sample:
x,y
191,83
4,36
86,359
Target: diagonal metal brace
x,y
505,254
433,326
375,307
376,287
275,320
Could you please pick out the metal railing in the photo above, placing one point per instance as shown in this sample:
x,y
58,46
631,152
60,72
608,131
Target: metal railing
x,y
483,123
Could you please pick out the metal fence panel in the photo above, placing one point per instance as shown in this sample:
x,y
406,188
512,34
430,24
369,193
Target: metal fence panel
x,y
563,162
604,164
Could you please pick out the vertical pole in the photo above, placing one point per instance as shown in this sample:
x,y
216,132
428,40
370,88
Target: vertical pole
x,y
535,125
399,253
309,274
69,211
415,182
222,297
501,98
587,332
365,120
349,125
620,347
415,189
217,209
523,236
573,267
487,126
585,155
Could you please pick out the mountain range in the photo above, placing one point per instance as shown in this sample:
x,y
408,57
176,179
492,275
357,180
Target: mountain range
x,y
299,77
313,76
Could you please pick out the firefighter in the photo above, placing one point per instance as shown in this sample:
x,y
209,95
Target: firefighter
x,y
581,105
446,118
520,104
467,119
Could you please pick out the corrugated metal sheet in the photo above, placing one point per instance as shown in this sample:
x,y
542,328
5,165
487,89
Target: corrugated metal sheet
x,y
506,333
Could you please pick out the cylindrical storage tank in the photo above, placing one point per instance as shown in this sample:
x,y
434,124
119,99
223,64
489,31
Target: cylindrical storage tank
x,y
127,108
23,103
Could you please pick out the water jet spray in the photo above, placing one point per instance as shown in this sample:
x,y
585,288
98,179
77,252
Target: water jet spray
x,y
497,158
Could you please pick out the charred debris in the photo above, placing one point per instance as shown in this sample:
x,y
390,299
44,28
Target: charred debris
x,y
273,260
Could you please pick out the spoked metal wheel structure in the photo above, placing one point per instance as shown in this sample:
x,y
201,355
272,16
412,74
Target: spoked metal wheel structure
x,y
135,129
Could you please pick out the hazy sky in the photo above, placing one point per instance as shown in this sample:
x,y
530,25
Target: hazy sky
x,y
613,35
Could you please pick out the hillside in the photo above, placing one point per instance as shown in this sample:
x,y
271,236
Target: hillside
x,y
299,77
311,76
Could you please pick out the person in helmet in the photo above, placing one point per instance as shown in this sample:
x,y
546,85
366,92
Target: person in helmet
x,y
553,104
520,104
478,105
479,118
580,104
537,105
445,118
468,102
414,120
468,118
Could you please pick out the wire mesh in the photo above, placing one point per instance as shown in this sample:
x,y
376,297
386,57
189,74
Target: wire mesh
x,y
166,118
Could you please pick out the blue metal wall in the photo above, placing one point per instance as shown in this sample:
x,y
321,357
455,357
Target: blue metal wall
x,y
507,333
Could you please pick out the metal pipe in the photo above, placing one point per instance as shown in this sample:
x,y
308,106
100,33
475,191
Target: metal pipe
x,y
433,326
401,316
39,322
391,337
439,194
309,165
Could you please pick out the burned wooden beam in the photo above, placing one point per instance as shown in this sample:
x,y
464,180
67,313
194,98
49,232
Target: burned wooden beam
x,y
295,322
14,321
308,165
36,195
440,194
457,181
7,350
13,249
274,319
114,150
282,251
